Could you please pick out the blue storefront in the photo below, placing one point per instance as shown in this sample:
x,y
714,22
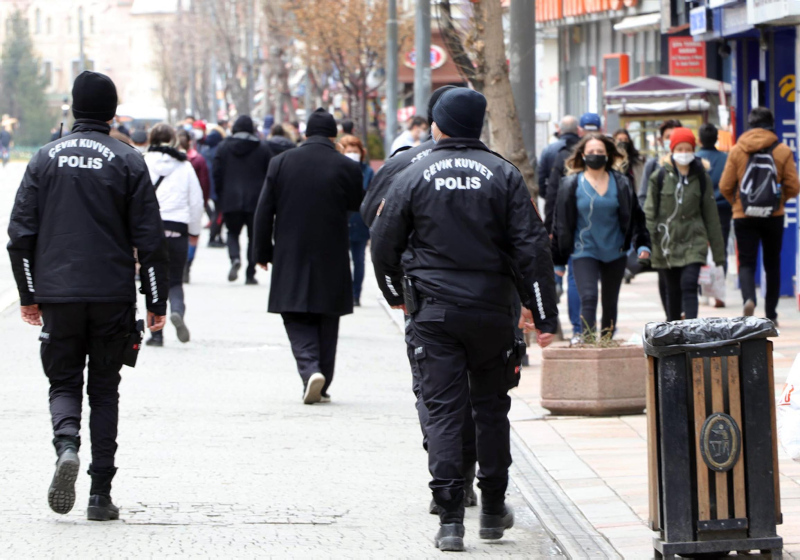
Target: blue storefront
x,y
759,63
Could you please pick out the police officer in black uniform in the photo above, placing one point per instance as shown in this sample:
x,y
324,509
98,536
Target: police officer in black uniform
x,y
376,193
83,205
464,218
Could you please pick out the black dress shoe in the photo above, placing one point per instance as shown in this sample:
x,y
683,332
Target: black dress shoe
x,y
251,281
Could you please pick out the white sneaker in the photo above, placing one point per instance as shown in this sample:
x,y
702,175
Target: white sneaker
x,y
314,387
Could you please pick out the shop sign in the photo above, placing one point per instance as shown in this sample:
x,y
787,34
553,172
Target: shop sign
x,y
723,3
438,58
700,20
734,20
766,11
687,57
549,10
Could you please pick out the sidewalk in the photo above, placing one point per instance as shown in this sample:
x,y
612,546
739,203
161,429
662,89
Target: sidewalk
x,y
601,463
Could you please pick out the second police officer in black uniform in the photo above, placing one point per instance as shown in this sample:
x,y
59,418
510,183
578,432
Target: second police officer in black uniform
x,y
473,240
85,202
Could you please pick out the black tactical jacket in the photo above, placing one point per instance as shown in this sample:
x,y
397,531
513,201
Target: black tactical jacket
x,y
83,205
471,233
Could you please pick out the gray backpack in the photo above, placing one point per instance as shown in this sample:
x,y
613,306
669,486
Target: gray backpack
x,y
759,190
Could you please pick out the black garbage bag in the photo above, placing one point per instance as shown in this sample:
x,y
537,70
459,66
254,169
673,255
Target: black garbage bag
x,y
668,339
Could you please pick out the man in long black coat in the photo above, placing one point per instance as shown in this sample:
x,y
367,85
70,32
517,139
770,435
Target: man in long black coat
x,y
301,227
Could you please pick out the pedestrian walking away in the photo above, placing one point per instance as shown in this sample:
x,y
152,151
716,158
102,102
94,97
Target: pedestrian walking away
x,y
180,199
302,229
208,149
83,205
359,232
571,132
683,221
240,167
187,143
377,193
759,177
597,217
278,140
465,217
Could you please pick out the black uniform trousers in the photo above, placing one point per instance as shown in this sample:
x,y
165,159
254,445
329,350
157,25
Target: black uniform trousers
x,y
71,332
463,358
313,338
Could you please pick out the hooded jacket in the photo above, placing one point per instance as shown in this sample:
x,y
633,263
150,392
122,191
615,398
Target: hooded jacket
x,y
682,218
239,170
750,142
179,194
83,205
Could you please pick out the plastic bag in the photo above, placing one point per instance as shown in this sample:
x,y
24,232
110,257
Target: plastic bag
x,y
789,413
712,279
668,339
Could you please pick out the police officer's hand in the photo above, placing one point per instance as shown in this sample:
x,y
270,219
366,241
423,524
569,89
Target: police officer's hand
x,y
156,322
263,266
544,339
526,321
31,314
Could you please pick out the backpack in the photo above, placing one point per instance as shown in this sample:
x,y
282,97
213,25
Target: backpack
x,y
759,190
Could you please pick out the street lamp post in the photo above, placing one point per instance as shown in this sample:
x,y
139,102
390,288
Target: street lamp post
x,y
64,115
391,77
422,68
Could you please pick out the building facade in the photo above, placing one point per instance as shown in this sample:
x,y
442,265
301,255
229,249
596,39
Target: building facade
x,y
599,44
118,39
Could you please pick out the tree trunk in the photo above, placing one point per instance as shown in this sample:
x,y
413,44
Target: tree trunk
x,y
504,124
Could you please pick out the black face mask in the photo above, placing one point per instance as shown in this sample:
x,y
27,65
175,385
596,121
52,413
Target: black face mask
x,y
595,161
624,146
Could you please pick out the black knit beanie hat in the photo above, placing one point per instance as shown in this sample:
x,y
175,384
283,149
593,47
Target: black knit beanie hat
x,y
321,123
94,96
460,112
434,98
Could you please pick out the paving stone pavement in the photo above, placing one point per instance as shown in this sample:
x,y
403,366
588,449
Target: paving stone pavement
x,y
217,455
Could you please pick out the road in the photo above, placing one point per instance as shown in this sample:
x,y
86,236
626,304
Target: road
x,y
217,455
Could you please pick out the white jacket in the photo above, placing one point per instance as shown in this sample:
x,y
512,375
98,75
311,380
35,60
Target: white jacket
x,y
180,196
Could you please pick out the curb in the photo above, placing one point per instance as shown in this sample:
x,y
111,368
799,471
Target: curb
x,y
573,533
563,521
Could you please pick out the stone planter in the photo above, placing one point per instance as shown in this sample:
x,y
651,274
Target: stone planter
x,y
594,381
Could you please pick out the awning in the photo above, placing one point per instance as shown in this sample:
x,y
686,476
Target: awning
x,y
636,24
649,87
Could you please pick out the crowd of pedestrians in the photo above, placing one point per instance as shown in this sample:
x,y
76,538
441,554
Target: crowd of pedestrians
x,y
689,199
457,244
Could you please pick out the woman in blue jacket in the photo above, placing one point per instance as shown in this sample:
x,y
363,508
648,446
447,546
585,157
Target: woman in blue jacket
x,y
359,232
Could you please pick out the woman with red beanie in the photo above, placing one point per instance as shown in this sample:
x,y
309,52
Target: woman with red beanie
x,y
683,221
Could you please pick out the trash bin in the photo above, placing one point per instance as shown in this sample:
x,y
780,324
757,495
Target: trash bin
x,y
711,437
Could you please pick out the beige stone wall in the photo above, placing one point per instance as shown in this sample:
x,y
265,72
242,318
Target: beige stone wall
x,y
116,43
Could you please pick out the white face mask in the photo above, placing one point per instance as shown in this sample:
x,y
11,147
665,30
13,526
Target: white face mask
x,y
683,158
354,156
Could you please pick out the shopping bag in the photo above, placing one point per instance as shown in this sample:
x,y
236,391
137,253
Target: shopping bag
x,y
788,408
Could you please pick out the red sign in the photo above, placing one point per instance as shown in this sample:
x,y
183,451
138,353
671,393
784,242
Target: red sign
x,y
438,58
687,57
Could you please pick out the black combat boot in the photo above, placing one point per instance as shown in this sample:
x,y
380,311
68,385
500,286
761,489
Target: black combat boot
x,y
496,516
450,537
61,495
100,506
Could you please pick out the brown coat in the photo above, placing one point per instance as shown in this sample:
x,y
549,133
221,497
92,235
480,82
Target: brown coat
x,y
749,143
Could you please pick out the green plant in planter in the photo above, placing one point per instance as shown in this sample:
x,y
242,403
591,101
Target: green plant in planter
x,y
591,338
